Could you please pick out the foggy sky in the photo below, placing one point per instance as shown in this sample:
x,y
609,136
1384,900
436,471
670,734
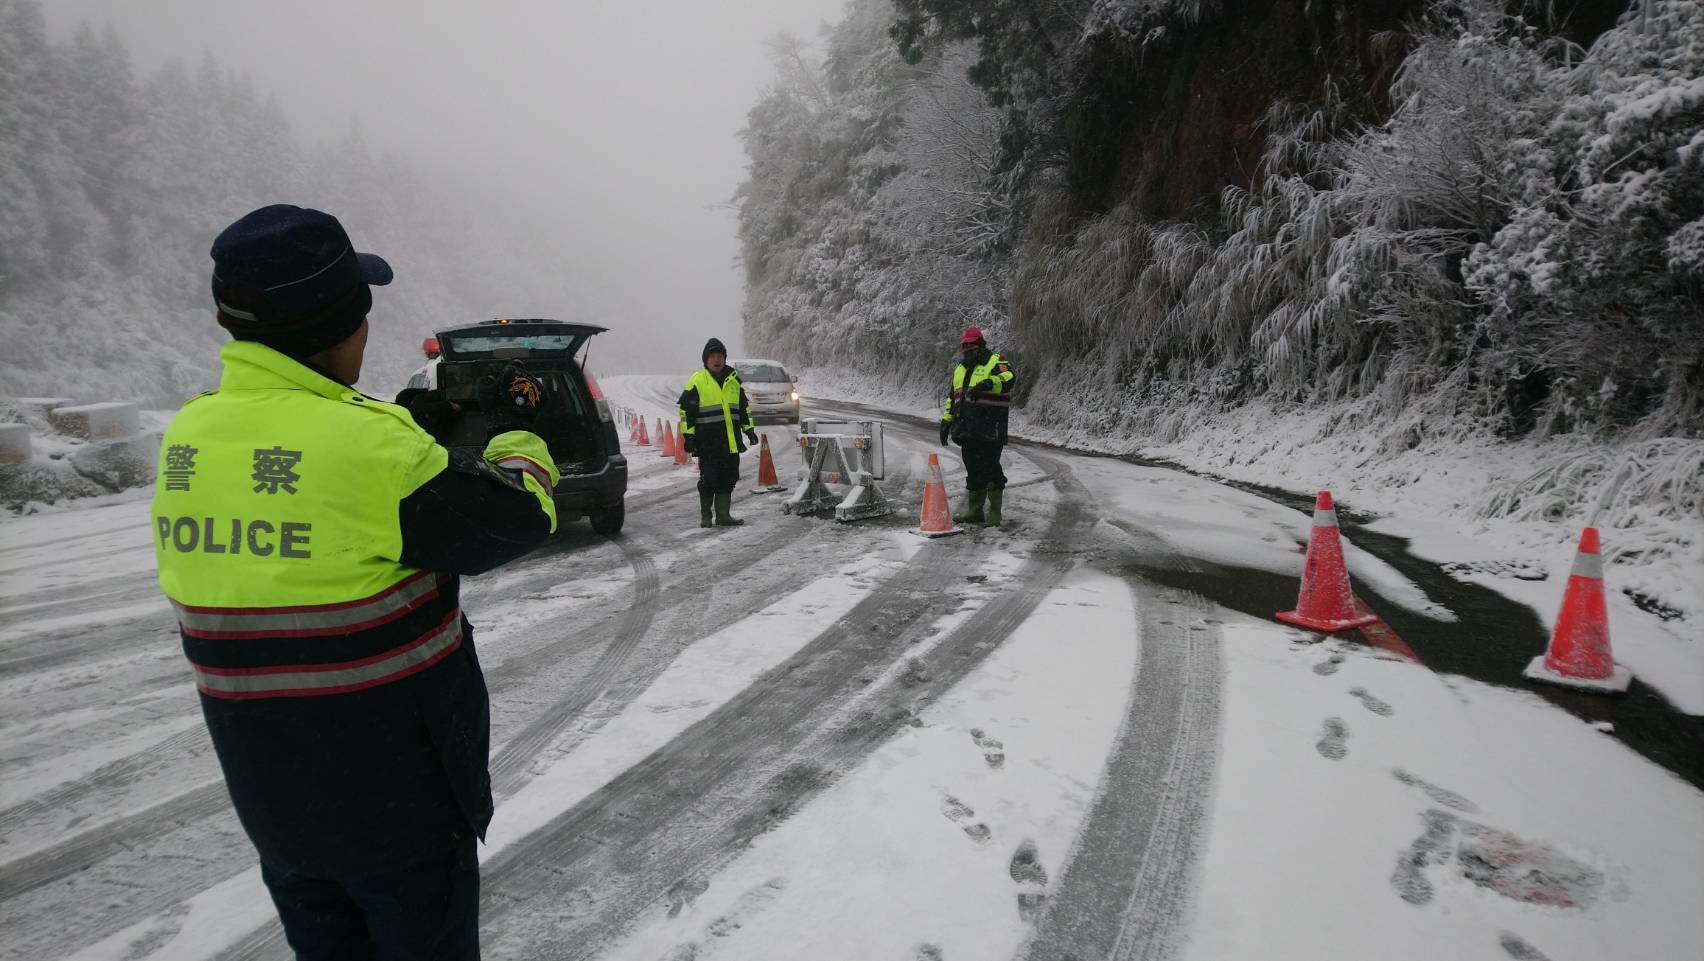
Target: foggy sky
x,y
613,121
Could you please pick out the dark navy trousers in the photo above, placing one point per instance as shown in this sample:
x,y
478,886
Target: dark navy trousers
x,y
427,913
982,470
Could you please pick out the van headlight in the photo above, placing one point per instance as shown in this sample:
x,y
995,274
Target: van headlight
x,y
794,395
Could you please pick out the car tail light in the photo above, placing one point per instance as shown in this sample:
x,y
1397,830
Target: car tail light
x,y
598,397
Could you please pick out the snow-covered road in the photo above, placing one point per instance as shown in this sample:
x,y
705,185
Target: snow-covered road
x,y
801,739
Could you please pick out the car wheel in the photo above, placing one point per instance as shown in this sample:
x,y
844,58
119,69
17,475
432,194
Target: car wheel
x,y
608,522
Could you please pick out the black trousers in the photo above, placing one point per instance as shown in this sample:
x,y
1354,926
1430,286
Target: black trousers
x,y
982,465
718,473
427,913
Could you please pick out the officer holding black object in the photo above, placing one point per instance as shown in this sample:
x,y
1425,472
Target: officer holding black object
x,y
310,539
509,400
975,418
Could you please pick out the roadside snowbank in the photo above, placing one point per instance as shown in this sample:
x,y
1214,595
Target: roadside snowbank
x,y
1437,487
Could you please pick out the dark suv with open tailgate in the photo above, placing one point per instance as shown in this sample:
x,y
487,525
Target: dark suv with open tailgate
x,y
575,420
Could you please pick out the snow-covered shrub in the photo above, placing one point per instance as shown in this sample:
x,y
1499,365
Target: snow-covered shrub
x,y
1594,284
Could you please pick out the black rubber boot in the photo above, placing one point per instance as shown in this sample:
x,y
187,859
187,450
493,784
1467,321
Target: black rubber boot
x,y
723,506
704,501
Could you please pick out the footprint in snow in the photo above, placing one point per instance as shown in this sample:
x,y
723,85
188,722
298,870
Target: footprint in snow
x,y
993,751
1328,667
1031,879
1372,703
1531,872
1518,949
956,811
929,952
1447,798
1331,744
684,892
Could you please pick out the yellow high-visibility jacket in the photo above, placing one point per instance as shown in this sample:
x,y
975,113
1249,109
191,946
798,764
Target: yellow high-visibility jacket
x,y
720,409
309,539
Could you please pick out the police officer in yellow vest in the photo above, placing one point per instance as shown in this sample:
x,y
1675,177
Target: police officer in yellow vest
x,y
714,414
975,417
309,538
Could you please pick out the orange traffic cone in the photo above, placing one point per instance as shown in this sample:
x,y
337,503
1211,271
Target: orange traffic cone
x,y
632,430
644,438
1326,602
669,443
682,458
767,481
1579,648
937,520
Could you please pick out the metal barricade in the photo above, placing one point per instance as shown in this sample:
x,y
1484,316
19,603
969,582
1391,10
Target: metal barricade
x,y
840,453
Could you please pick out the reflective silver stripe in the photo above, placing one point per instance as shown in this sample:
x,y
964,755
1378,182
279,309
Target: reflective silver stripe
x,y
1588,565
1325,518
220,623
529,467
715,418
309,679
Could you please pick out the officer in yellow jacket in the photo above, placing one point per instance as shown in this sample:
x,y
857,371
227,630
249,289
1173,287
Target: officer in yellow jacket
x,y
714,414
975,417
310,539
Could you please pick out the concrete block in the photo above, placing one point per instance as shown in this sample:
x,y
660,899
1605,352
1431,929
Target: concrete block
x,y
34,410
42,405
120,464
109,421
14,443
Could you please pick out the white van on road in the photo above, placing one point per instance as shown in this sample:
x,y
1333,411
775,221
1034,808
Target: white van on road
x,y
772,392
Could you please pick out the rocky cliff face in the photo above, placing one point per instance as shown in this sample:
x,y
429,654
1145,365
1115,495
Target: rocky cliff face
x,y
1166,114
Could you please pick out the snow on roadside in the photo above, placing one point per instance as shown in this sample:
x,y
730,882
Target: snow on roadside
x,y
1430,491
1367,807
1204,519
1661,653
915,847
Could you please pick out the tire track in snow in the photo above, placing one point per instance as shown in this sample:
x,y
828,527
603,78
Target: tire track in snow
x,y
684,623
210,801
1128,883
673,819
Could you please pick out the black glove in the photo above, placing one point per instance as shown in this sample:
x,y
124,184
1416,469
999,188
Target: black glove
x,y
983,386
751,437
946,432
429,409
691,442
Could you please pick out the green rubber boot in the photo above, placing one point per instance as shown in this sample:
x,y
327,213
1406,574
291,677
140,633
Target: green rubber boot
x,y
723,506
994,499
972,513
704,501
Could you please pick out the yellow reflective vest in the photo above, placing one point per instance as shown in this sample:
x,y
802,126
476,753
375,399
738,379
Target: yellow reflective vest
x,y
720,410
268,496
980,414
339,683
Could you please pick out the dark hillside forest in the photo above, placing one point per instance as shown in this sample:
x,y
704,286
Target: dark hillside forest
x,y
1491,213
